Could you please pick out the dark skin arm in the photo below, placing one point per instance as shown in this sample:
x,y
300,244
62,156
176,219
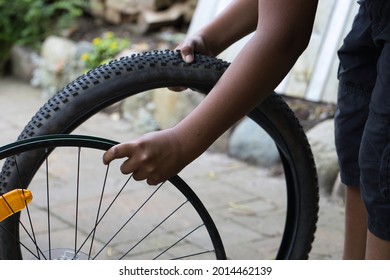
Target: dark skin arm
x,y
282,32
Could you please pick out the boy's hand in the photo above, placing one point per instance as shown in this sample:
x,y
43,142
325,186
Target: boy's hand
x,y
187,48
154,157
190,45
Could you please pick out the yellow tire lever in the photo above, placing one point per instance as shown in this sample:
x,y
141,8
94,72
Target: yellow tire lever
x,y
13,202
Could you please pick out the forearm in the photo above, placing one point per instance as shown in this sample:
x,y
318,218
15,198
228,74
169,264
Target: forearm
x,y
238,91
255,72
234,22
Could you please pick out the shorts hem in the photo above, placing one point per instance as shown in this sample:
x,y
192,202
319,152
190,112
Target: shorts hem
x,y
379,230
350,181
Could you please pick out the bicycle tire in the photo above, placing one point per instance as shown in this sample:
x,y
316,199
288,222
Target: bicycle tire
x,y
128,76
15,151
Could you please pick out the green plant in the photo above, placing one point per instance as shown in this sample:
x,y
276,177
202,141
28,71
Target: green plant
x,y
29,22
104,49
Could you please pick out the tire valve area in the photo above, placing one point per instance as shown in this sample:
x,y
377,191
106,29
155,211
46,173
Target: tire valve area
x,y
13,202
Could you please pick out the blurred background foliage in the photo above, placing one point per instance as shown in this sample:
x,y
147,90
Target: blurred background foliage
x,y
29,22
104,48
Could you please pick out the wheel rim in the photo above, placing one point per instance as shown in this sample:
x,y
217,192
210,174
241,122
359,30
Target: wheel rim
x,y
95,241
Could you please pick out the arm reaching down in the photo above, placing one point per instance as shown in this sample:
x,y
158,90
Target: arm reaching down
x,y
282,32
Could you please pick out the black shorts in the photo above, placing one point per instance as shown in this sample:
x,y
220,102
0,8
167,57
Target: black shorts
x,y
362,121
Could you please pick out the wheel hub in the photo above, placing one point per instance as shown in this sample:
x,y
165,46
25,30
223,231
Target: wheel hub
x,y
66,254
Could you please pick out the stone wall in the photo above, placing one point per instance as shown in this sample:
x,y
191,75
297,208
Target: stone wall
x,y
145,15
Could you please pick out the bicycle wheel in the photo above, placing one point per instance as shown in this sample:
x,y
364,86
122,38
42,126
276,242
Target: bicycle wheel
x,y
76,214
129,76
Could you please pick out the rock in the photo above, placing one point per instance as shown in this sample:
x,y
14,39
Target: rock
x,y
138,111
146,15
59,63
22,64
113,16
83,47
321,139
252,144
137,6
97,7
123,6
172,107
151,20
161,109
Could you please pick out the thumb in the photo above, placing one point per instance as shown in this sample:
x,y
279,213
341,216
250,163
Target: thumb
x,y
187,54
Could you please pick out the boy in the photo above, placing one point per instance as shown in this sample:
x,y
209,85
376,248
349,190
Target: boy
x,y
362,131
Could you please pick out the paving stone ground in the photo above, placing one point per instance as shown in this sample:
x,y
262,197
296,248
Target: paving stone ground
x,y
246,202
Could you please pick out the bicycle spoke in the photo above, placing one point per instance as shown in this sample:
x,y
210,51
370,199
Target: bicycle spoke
x,y
20,243
32,231
150,232
48,200
32,235
193,255
21,224
77,199
105,212
131,217
178,241
98,211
